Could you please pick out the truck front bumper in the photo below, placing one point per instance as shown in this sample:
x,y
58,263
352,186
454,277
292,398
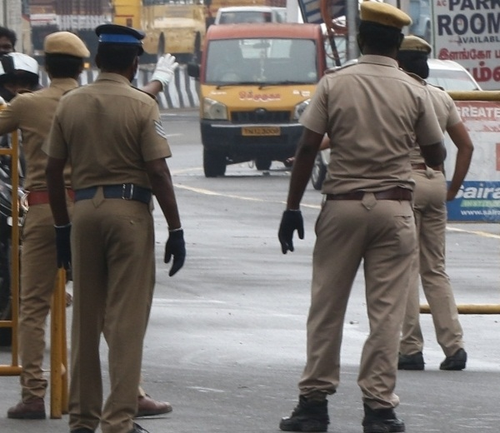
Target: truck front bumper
x,y
228,138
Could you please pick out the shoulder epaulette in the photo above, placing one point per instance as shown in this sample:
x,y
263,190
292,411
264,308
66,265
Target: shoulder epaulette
x,y
70,90
23,91
146,93
338,68
416,77
436,86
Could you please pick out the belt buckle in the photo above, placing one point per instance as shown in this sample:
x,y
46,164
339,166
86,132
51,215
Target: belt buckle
x,y
127,191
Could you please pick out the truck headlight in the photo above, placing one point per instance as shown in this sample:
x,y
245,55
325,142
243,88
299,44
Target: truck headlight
x,y
299,109
214,110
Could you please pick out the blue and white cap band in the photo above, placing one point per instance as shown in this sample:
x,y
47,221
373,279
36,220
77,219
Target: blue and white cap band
x,y
118,39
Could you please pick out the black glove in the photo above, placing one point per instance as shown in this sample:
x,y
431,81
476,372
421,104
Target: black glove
x,y
290,221
63,246
175,247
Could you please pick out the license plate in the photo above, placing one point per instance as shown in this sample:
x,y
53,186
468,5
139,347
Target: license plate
x,y
250,131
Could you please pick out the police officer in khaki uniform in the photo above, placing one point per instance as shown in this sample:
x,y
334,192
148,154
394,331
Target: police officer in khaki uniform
x,y
111,133
372,112
32,113
430,197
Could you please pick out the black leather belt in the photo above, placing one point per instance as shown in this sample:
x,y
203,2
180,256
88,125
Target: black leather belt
x,y
125,191
390,194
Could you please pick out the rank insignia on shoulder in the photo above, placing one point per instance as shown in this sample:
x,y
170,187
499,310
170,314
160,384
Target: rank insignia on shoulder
x,y
159,129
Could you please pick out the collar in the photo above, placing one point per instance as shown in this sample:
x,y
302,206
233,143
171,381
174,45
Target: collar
x,y
111,76
378,60
64,84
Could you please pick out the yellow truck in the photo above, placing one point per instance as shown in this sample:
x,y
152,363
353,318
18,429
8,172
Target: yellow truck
x,y
176,27
255,81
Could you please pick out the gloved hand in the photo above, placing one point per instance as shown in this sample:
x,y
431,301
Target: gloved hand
x,y
176,247
164,70
290,221
63,246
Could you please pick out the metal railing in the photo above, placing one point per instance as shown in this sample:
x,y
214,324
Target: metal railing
x,y
472,308
59,352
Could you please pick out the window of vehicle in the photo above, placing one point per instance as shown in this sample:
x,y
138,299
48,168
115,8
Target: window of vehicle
x,y
452,79
245,17
263,61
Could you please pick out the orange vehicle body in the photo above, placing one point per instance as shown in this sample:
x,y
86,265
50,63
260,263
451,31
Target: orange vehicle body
x,y
255,81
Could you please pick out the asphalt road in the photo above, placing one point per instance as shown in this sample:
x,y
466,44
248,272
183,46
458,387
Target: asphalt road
x,y
226,339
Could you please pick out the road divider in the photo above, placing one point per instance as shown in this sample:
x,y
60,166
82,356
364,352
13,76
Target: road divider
x,y
182,91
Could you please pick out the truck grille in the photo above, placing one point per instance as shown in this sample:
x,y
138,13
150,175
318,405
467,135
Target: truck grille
x,y
260,116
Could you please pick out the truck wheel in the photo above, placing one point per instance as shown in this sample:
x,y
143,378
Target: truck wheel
x,y
197,49
262,164
214,163
318,173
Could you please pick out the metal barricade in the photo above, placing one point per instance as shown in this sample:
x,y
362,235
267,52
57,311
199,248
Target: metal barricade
x,y
472,308
59,352
14,369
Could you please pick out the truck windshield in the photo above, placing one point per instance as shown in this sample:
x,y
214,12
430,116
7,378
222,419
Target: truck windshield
x,y
261,61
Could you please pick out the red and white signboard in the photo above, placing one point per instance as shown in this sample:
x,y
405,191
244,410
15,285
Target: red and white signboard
x,y
479,196
468,32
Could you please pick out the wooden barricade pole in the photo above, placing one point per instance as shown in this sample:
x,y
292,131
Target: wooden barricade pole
x,y
485,95
59,351
14,369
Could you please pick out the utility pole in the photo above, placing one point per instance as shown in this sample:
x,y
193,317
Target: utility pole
x,y
352,30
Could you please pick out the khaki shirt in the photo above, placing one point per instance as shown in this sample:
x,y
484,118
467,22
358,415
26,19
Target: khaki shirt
x,y
108,130
32,113
446,112
373,113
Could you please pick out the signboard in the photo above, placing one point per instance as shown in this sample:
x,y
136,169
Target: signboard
x,y
479,197
468,32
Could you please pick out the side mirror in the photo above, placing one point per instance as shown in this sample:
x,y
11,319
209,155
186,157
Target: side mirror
x,y
193,70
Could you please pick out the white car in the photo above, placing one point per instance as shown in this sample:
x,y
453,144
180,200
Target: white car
x,y
443,73
250,14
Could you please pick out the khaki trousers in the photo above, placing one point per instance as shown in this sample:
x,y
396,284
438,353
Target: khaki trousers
x,y
113,271
382,234
429,263
38,273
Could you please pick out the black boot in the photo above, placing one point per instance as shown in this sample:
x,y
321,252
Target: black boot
x,y
411,362
381,421
308,416
455,362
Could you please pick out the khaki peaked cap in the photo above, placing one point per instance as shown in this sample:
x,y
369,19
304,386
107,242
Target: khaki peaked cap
x,y
65,43
385,14
414,43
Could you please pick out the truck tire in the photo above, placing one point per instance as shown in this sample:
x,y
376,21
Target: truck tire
x,y
214,163
263,164
197,50
161,47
